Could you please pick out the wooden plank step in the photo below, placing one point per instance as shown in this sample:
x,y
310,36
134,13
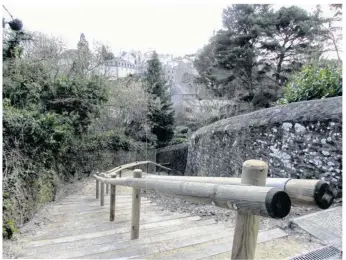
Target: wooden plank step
x,y
163,245
120,222
89,222
78,209
41,251
78,199
66,215
170,222
286,247
214,247
94,202
93,199
93,214
126,242
102,211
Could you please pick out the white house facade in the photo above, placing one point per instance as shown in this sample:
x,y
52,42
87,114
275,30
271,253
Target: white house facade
x,y
119,68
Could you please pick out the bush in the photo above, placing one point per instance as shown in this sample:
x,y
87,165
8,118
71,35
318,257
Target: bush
x,y
54,128
177,140
313,82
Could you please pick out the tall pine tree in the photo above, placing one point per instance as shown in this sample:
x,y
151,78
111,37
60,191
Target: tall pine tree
x,y
82,61
259,49
163,118
235,48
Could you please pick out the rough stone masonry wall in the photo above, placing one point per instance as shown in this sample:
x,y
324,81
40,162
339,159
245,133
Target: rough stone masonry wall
x,y
298,140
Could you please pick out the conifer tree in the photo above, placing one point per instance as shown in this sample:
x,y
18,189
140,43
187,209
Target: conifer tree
x,y
162,119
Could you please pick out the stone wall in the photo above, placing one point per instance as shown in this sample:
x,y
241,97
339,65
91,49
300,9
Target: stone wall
x,y
175,155
298,140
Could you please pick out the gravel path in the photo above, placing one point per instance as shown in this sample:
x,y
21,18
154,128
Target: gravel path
x,y
221,214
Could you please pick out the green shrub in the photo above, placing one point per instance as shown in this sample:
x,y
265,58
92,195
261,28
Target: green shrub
x,y
313,82
8,229
110,140
177,140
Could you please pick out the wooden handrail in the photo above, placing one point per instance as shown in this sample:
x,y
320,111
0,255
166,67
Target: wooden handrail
x,y
316,193
263,201
251,196
114,171
312,192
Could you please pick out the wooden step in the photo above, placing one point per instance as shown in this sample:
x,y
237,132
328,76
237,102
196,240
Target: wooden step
x,y
119,222
88,222
179,221
46,250
136,248
213,247
125,242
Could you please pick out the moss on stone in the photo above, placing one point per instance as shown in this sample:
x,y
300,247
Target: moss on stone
x,y
8,228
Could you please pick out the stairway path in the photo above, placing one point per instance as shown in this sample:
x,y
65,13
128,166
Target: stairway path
x,y
80,228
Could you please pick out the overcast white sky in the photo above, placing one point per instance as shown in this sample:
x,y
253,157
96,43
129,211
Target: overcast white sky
x,y
177,28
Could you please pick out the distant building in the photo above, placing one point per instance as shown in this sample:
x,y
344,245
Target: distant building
x,y
119,68
132,62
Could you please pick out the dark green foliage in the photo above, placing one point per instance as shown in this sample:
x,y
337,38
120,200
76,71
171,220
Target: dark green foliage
x,y
39,136
262,100
106,55
12,44
314,82
235,50
178,140
8,227
162,118
181,134
258,51
23,84
203,63
230,61
106,141
297,35
46,130
78,98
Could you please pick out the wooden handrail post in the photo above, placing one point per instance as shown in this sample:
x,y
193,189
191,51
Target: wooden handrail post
x,y
254,172
102,194
97,189
136,206
107,188
112,202
119,174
